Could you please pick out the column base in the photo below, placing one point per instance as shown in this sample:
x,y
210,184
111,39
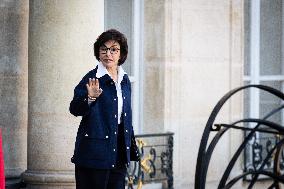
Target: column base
x,y
49,179
14,183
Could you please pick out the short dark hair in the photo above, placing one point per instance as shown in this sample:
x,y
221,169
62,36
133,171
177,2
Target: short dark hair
x,y
115,35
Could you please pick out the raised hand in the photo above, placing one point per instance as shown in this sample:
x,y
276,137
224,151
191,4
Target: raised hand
x,y
93,88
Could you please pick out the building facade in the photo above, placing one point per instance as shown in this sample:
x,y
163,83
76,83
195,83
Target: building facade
x,y
184,56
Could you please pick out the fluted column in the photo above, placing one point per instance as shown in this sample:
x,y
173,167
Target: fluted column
x,y
61,37
14,85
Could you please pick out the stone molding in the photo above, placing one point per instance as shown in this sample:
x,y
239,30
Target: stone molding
x,y
49,177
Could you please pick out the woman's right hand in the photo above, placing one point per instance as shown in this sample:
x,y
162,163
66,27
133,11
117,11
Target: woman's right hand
x,y
93,88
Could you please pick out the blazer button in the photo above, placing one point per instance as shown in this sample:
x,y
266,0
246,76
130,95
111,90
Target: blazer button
x,y
112,165
106,136
114,99
115,116
114,149
124,97
125,114
115,132
126,130
127,148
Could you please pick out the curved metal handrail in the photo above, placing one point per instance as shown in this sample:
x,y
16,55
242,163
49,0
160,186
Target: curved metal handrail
x,y
204,154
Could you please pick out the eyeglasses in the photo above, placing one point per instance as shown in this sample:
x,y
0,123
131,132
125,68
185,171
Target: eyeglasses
x,y
112,50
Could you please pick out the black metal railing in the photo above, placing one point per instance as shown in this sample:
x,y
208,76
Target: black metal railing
x,y
156,164
251,126
259,145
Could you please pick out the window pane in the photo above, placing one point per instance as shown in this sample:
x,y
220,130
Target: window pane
x,y
118,15
270,37
246,101
247,37
269,102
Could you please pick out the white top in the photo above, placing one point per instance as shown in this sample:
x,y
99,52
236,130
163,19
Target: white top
x,y
103,71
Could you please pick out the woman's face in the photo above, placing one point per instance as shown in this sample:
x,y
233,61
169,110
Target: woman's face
x,y
110,53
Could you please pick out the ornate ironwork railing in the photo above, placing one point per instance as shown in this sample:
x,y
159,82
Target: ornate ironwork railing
x,y
156,165
259,146
274,154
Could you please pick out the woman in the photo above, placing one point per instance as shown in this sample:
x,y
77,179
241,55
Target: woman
x,y
104,143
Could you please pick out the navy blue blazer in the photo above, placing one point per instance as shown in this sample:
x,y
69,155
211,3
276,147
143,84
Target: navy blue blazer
x,y
96,141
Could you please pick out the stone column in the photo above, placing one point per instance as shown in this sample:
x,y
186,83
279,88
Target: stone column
x,y
13,86
61,37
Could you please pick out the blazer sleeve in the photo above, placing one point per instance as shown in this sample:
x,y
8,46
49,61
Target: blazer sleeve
x,y
134,151
79,105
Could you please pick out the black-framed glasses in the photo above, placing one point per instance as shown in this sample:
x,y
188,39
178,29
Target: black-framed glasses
x,y
112,50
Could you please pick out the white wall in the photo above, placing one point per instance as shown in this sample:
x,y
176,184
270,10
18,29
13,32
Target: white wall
x,y
204,58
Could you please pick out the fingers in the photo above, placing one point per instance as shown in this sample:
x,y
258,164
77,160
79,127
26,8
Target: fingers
x,y
93,87
97,84
91,82
94,83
